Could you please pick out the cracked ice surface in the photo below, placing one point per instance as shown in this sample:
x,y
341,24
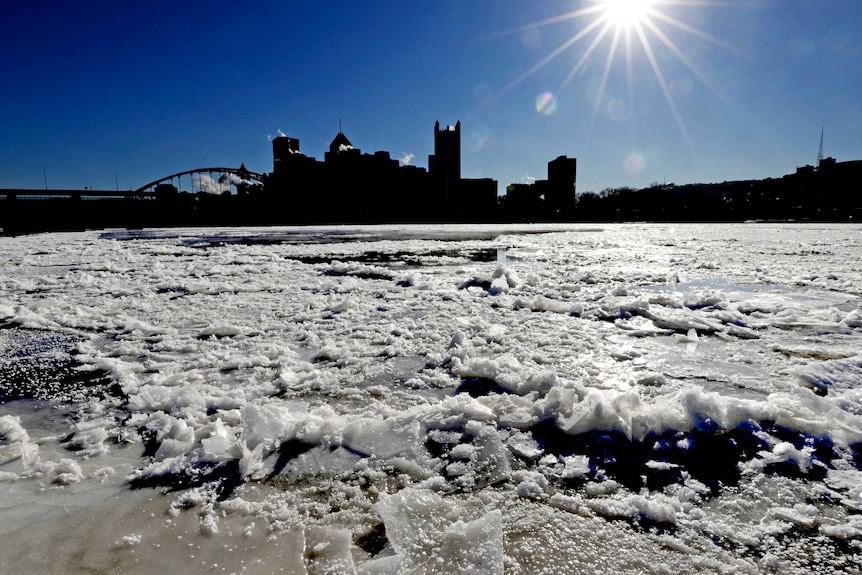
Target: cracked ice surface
x,y
414,399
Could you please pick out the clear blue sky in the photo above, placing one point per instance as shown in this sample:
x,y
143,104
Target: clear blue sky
x,y
730,90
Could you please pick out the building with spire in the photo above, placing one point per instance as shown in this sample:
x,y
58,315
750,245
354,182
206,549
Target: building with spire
x,y
445,163
349,186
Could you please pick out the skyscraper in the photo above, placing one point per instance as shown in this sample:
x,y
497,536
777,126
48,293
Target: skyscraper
x,y
562,173
445,164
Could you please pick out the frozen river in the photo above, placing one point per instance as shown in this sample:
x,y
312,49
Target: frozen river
x,y
416,399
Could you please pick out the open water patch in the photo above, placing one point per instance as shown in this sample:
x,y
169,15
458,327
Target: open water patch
x,y
416,259
36,364
322,235
714,457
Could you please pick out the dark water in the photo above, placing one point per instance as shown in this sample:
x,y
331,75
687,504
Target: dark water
x,y
36,364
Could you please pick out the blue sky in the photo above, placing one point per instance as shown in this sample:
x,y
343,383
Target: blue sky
x,y
100,92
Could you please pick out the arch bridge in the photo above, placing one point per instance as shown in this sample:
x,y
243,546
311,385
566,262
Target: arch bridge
x,y
215,180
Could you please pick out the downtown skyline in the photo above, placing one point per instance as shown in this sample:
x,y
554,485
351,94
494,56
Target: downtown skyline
x,y
103,95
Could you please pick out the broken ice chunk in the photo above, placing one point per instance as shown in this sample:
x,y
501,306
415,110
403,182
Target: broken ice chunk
x,y
474,547
525,447
576,466
415,520
384,439
490,465
328,551
425,530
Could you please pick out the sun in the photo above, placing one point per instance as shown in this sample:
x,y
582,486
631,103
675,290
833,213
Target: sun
x,y
626,13
623,27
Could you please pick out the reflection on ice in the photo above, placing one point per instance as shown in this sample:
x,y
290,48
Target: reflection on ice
x,y
434,400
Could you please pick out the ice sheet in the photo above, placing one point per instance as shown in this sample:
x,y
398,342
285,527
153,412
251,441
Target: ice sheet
x,y
405,399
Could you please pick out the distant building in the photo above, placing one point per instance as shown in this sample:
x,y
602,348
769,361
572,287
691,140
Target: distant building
x,y
282,148
551,199
838,188
349,186
444,164
562,174
339,145
477,200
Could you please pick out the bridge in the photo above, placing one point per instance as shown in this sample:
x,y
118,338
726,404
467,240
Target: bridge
x,y
216,180
208,180
198,197
26,194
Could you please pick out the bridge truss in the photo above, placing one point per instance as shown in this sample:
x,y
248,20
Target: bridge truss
x,y
216,180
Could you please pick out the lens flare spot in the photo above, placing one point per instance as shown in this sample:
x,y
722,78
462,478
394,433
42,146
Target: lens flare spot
x,y
681,87
480,138
483,94
531,38
615,109
634,163
546,104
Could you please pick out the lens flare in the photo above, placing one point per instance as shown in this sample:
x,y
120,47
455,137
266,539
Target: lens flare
x,y
480,138
634,163
615,109
546,104
531,38
681,86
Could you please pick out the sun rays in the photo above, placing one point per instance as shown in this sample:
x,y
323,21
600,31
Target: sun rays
x,y
622,32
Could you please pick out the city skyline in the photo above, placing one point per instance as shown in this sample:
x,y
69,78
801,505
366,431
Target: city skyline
x,y
102,95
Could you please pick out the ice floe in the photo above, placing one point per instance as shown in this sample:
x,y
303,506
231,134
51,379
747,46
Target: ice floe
x,y
435,399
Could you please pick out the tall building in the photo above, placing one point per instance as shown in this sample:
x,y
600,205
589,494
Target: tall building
x,y
445,164
340,143
349,186
562,174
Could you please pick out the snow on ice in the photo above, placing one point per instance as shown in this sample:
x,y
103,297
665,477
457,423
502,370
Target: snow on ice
x,y
452,399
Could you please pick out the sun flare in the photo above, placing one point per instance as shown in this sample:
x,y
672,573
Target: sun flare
x,y
626,12
637,32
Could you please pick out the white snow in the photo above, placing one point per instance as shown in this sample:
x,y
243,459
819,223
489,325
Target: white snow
x,y
622,398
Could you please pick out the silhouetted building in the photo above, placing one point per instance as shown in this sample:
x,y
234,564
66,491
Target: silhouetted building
x,y
282,148
349,186
839,188
562,173
339,144
477,201
445,164
551,199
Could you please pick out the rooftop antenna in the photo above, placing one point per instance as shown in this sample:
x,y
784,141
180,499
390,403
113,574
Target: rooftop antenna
x,y
339,126
820,152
